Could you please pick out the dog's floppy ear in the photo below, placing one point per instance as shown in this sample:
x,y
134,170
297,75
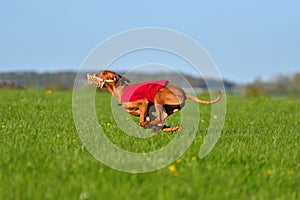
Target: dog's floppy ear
x,y
93,80
114,76
125,79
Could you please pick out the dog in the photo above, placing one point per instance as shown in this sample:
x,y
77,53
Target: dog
x,y
142,99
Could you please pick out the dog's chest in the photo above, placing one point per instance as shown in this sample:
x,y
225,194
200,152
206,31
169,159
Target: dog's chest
x,y
135,92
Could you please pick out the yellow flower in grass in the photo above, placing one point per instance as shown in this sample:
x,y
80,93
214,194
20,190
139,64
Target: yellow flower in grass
x,y
48,91
145,169
172,169
291,172
194,158
270,172
24,100
3,126
178,160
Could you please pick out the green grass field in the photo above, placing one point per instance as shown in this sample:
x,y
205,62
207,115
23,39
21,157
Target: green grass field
x,y
42,157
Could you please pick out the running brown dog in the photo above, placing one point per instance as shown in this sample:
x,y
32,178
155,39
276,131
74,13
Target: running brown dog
x,y
142,99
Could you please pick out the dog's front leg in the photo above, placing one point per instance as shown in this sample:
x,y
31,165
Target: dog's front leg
x,y
143,106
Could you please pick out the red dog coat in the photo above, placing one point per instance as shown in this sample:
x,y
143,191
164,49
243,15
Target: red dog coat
x,y
135,92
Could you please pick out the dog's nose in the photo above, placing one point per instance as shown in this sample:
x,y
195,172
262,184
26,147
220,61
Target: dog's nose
x,y
89,75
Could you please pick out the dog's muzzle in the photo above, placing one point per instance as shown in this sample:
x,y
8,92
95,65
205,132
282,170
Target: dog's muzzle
x,y
96,81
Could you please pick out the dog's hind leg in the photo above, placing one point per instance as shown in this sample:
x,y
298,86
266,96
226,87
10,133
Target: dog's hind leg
x,y
161,115
151,110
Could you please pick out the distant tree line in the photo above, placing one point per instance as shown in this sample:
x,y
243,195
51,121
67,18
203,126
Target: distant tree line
x,y
282,85
53,81
65,80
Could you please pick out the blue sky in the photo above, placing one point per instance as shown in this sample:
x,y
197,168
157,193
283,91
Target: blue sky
x,y
246,39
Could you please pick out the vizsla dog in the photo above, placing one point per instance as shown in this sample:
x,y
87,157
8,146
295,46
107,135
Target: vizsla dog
x,y
144,98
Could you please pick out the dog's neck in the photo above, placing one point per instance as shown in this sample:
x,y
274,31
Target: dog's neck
x,y
115,91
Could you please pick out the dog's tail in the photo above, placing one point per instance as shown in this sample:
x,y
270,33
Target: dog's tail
x,y
189,96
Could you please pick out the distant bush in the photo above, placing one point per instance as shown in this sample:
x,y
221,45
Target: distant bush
x,y
255,89
281,86
10,85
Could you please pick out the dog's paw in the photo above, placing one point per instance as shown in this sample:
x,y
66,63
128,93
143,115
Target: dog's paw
x,y
143,124
171,129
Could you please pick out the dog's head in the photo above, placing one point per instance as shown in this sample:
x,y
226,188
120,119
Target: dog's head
x,y
106,76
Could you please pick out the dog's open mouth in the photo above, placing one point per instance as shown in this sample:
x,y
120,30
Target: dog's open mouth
x,y
93,80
